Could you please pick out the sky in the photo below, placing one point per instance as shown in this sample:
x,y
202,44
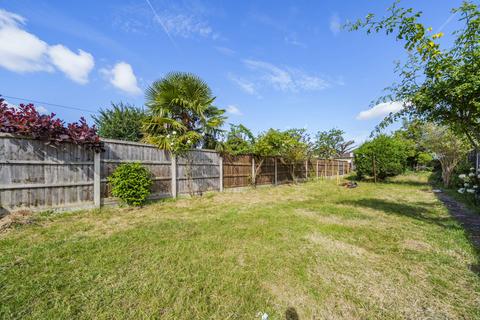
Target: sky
x,y
280,64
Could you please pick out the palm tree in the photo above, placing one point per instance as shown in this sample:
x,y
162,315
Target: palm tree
x,y
181,113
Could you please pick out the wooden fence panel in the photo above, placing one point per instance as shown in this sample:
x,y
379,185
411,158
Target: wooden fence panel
x,y
157,161
265,174
284,172
34,173
198,171
237,171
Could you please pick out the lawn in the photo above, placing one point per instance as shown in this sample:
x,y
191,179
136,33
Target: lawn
x,y
316,250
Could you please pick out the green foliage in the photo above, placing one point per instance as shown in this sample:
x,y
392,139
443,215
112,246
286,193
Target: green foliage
x,y
384,156
411,134
181,114
329,144
240,140
289,145
439,85
131,182
121,121
463,167
446,146
424,159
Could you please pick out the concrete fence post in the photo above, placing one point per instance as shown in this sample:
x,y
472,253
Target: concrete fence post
x,y
306,169
97,199
276,172
220,164
253,170
317,169
173,170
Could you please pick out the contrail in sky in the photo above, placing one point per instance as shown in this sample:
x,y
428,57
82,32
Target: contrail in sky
x,y
161,23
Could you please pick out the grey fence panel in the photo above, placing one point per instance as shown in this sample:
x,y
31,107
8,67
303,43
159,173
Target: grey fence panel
x,y
34,173
157,161
198,171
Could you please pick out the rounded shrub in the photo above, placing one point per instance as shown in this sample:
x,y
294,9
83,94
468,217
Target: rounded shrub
x,y
131,183
384,156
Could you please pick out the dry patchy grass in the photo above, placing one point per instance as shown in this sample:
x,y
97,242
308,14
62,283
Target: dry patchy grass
x,y
316,250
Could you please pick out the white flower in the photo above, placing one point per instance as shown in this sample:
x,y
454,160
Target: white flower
x,y
188,141
171,143
478,176
471,174
174,132
461,190
475,187
168,136
465,184
472,169
471,190
462,176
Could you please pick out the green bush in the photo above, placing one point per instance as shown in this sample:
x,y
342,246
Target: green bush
x,y
131,182
121,121
385,155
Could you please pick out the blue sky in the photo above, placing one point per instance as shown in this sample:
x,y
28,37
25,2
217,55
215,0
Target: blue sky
x,y
280,64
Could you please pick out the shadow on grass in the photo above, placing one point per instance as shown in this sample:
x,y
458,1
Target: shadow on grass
x,y
418,211
412,183
291,314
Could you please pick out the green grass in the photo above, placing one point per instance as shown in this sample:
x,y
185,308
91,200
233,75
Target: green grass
x,y
381,251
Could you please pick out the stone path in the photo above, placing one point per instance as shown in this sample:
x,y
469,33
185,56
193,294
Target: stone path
x,y
468,219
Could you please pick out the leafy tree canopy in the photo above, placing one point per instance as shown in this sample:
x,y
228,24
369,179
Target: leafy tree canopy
x,y
331,143
289,144
437,84
382,157
240,140
447,147
411,134
121,121
182,114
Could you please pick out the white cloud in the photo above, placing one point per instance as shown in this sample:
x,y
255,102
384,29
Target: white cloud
x,y
293,40
277,77
226,51
187,26
75,66
335,24
42,110
287,79
186,23
9,104
245,85
122,77
234,110
21,51
380,110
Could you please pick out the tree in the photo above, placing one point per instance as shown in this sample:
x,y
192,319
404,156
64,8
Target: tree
x,y
411,134
182,114
329,144
382,157
240,140
121,121
448,148
437,84
289,146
